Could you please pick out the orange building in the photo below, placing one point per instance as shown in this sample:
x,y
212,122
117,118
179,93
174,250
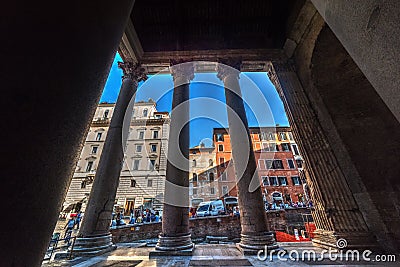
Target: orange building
x,y
279,164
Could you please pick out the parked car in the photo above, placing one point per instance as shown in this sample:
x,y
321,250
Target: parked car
x,y
210,208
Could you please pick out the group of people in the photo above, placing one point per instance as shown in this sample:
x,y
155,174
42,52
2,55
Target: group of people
x,y
145,216
74,220
288,205
137,216
233,211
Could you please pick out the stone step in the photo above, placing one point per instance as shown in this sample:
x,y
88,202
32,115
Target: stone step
x,y
220,262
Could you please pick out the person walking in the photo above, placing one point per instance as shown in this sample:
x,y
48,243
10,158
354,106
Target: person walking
x,y
78,219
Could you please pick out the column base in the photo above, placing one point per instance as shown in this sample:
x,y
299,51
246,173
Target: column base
x,y
250,244
353,240
181,245
92,246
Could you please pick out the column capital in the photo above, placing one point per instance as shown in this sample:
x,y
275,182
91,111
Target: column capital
x,y
280,66
181,69
228,66
133,71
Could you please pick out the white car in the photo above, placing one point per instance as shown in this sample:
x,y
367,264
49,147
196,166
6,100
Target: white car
x,y
210,208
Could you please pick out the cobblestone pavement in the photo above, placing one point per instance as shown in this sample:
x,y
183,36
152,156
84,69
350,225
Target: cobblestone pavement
x,y
133,254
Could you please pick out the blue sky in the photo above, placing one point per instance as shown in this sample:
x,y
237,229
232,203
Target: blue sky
x,y
207,105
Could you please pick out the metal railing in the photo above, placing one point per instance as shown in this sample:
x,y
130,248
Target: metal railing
x,y
55,245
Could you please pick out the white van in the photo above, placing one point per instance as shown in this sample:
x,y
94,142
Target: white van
x,y
210,208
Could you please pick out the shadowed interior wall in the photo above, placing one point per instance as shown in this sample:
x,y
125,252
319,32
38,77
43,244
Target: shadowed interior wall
x,y
369,131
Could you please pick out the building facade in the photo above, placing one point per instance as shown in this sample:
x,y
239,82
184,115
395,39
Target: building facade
x,y
279,164
203,185
142,177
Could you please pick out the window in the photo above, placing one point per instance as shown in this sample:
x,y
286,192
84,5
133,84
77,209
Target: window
x,y
223,177
277,164
220,147
285,147
271,136
295,150
274,164
268,164
141,135
224,190
212,190
263,136
219,137
299,163
145,111
106,113
210,162
282,180
94,149
133,183
265,180
282,136
273,181
139,148
290,136
194,177
290,163
98,136
149,183
211,176
136,163
89,166
194,163
296,180
269,147
155,134
158,116
222,161
194,191
83,184
154,148
152,164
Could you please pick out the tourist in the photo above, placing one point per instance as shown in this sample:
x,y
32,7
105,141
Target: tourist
x,y
70,225
157,217
132,220
78,219
118,219
153,217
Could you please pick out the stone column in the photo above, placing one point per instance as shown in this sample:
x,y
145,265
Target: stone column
x,y
94,234
175,236
255,233
52,81
336,214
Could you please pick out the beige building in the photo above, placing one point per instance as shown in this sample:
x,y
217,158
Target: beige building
x,y
143,172
203,182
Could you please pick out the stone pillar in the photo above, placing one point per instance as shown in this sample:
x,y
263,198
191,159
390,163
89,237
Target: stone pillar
x,y
336,214
175,236
52,81
94,234
255,233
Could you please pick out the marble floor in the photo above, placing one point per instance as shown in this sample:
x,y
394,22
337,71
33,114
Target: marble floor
x,y
136,254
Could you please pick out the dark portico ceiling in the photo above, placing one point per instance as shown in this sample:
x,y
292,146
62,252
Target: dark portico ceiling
x,y
179,25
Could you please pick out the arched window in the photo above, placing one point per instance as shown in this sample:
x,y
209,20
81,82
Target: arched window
x,y
211,176
194,163
106,113
145,112
194,177
210,162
